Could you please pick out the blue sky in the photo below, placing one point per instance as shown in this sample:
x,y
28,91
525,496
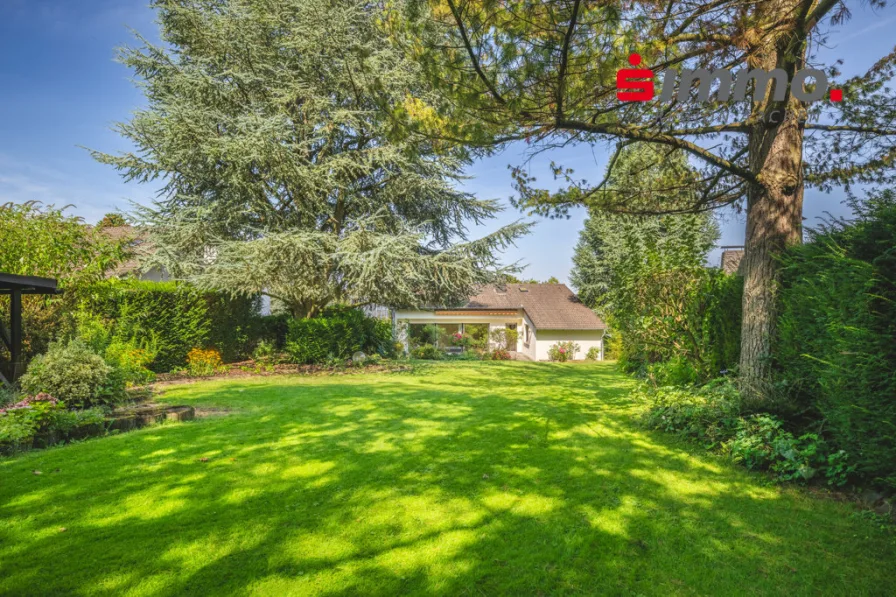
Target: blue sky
x,y
61,89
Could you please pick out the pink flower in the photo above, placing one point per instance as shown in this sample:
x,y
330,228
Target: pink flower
x,y
562,351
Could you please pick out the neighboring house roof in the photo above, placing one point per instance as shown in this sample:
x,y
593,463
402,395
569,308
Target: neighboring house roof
x,y
731,259
549,306
136,243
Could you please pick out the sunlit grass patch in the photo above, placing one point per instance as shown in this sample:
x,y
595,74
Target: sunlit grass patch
x,y
472,478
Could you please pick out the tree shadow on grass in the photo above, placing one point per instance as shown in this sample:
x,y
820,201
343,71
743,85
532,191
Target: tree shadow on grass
x,y
492,479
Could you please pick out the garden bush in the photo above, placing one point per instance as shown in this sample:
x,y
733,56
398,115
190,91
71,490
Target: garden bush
x,y
708,414
74,373
427,352
338,334
677,371
593,354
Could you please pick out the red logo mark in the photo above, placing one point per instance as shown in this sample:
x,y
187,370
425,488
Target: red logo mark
x,y
633,81
836,95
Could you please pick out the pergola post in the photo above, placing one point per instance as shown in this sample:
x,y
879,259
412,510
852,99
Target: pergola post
x,y
15,333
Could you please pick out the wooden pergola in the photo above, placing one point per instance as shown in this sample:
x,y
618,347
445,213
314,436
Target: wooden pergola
x,y
11,336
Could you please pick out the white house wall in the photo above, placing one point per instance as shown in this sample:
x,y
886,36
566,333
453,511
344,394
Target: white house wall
x,y
528,349
586,339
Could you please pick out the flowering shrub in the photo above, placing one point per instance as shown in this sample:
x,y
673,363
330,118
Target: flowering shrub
x,y
202,362
563,351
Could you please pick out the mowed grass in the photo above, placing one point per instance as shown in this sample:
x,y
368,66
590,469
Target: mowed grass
x,y
458,479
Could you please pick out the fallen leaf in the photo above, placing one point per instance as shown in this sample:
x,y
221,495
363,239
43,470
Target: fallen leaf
x,y
62,529
203,460
37,472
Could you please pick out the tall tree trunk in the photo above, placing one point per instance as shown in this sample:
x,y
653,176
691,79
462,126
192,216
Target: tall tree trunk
x,y
774,222
775,203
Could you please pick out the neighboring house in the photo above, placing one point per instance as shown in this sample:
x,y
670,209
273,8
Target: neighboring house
x,y
542,315
139,246
731,260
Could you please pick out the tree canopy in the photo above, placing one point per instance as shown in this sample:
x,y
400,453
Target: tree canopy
x,y
269,124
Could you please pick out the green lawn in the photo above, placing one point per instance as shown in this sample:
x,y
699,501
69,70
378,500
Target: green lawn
x,y
473,478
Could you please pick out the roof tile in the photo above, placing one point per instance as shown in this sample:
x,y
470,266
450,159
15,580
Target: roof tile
x,y
549,306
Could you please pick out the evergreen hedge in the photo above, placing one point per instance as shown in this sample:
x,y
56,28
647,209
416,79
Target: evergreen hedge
x,y
179,316
836,344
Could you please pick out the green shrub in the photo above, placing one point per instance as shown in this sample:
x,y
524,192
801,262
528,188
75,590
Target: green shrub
x,y
427,352
712,416
234,325
372,360
67,421
73,373
836,343
8,395
274,329
593,354
176,313
563,351
338,334
709,414
264,351
760,442
131,360
677,371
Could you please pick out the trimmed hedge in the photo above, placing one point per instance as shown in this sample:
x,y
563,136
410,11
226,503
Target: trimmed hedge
x,y
179,316
338,335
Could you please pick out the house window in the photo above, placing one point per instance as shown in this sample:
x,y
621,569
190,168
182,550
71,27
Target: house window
x,y
527,334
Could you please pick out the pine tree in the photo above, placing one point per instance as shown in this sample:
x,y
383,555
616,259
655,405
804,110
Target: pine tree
x,y
269,125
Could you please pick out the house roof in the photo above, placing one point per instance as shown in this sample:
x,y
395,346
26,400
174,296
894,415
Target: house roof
x,y
731,259
549,306
136,244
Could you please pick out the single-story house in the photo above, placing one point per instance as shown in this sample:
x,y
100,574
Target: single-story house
x,y
542,315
